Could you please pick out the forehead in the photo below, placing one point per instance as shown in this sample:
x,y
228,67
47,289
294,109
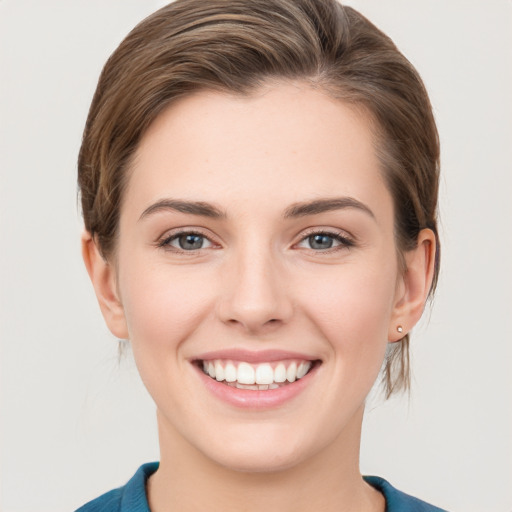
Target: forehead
x,y
288,142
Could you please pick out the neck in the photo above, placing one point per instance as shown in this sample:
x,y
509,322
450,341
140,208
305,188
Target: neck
x,y
189,481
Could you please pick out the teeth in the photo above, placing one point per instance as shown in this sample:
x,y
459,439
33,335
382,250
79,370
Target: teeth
x,y
247,386
219,371
230,373
262,376
245,374
291,373
301,370
280,373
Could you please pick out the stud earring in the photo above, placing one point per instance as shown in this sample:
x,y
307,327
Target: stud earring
x,y
400,329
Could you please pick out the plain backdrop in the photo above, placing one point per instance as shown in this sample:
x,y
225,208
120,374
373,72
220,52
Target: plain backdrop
x,y
75,421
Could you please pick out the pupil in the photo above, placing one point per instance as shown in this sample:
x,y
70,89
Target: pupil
x,y
191,241
320,241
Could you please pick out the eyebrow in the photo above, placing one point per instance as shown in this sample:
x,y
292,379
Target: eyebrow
x,y
325,205
304,209
193,207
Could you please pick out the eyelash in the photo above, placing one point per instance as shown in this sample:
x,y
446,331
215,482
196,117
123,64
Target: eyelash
x,y
165,243
341,237
344,241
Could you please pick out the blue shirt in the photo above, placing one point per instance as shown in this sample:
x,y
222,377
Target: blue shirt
x,y
132,496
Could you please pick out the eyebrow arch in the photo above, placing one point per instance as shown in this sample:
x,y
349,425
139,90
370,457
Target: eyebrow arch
x,y
193,207
325,205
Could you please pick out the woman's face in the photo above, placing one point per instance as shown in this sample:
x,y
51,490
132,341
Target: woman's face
x,y
256,244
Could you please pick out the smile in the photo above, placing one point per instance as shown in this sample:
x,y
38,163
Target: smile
x,y
257,377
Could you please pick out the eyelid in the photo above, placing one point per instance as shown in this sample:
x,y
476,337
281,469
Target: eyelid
x,y
345,239
163,241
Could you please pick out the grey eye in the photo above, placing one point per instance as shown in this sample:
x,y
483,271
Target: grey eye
x,y
320,241
324,241
189,241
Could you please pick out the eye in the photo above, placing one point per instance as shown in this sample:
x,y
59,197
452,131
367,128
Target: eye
x,y
323,241
186,241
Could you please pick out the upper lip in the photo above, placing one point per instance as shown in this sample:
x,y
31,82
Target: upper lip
x,y
249,356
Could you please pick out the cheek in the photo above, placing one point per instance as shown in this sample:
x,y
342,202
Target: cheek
x,y
352,307
163,305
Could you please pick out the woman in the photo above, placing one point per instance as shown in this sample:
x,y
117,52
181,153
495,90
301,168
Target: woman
x,y
259,188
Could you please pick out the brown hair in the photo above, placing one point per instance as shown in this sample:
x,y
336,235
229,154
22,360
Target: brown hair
x,y
235,46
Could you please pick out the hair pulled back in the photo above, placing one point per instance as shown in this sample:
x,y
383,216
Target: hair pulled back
x,y
235,46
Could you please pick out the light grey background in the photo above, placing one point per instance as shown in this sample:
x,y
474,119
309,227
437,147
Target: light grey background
x,y
75,423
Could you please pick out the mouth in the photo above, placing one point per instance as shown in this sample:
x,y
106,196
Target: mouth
x,y
262,376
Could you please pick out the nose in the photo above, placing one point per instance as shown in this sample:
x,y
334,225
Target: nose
x,y
255,296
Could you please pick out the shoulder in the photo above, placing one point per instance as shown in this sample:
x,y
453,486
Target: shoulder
x,y
108,502
398,501
130,497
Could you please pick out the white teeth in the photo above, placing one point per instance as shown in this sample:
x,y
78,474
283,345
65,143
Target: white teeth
x,y
259,376
230,373
245,374
301,370
280,373
291,373
264,374
246,386
219,371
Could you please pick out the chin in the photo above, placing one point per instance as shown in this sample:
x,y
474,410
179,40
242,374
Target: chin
x,y
263,452
258,461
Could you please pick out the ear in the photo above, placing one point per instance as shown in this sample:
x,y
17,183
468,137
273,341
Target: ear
x,y
413,286
103,277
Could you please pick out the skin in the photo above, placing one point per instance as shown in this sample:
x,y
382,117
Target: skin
x,y
257,283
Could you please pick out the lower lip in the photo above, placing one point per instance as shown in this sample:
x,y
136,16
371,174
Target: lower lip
x,y
256,399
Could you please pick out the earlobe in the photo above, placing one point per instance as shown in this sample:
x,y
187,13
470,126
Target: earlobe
x,y
414,286
103,278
